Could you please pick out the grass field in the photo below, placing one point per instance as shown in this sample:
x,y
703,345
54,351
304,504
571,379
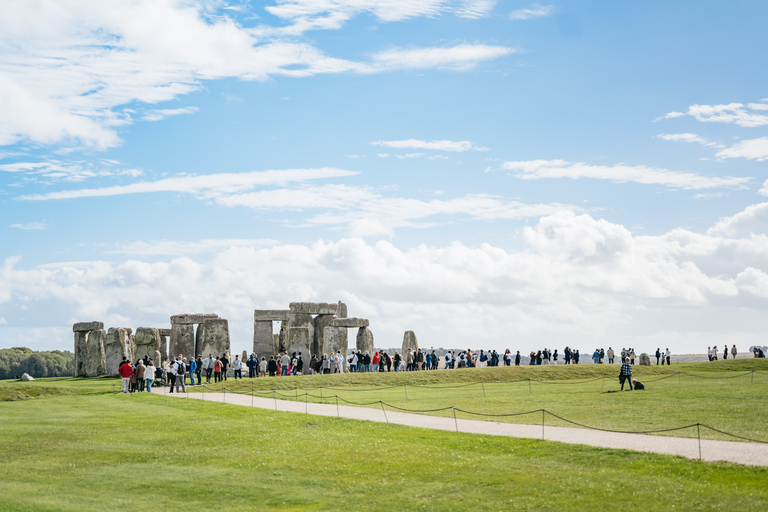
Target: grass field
x,y
113,452
726,395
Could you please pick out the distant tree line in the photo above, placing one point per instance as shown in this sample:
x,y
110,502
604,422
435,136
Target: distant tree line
x,y
19,360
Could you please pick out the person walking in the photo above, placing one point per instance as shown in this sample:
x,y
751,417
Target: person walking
x,y
199,365
149,375
224,365
208,365
733,351
517,358
725,352
625,374
610,355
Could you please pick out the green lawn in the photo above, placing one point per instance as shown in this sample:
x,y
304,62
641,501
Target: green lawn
x,y
114,451
725,395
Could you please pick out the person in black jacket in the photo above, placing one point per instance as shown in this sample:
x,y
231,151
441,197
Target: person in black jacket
x,y
658,356
568,355
272,366
517,358
224,363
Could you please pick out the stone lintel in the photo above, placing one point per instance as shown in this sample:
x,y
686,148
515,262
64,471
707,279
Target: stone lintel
x,y
192,318
87,326
314,308
164,332
273,315
349,322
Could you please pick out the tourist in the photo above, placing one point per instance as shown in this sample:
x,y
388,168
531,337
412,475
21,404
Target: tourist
x,y
714,353
134,381
576,356
658,355
632,356
300,365
398,359
168,376
284,362
252,364
638,385
448,360
208,365
217,365
625,374
376,360
554,357
725,352
507,357
192,369
199,369
125,370
149,375
181,368
733,351
263,367
224,364
517,358
237,368
409,360
272,366
140,369
602,356
669,356
596,357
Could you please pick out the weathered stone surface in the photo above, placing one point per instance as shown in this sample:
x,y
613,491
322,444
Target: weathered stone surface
x,y
87,326
117,344
301,334
314,308
365,340
131,347
192,318
81,353
409,342
276,346
282,338
263,339
320,345
27,377
342,311
148,343
336,339
164,332
349,322
163,347
276,315
182,340
244,358
96,363
215,337
645,359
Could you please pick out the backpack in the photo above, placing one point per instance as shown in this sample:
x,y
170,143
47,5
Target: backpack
x,y
447,357
180,368
217,366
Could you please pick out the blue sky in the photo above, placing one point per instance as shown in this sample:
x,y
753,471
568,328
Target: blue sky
x,y
487,174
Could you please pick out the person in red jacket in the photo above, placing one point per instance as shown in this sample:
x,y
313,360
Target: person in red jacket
x,y
126,370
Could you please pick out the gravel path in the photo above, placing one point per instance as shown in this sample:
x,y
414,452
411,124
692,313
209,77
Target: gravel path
x,y
753,454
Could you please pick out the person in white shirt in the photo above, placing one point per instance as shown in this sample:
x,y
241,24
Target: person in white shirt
x,y
340,362
149,375
237,367
669,356
208,366
263,366
448,360
353,362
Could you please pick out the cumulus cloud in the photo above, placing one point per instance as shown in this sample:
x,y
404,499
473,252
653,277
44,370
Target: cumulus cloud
x,y
438,145
98,58
620,173
753,149
753,219
575,277
688,137
735,113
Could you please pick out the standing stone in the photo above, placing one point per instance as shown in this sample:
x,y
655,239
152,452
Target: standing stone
x,y
263,339
96,363
282,337
645,359
148,343
365,340
321,344
81,353
276,345
117,344
409,342
336,340
182,340
215,337
132,347
301,334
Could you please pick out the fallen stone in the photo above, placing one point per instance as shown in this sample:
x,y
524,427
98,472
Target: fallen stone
x,y
314,308
87,326
215,338
27,377
349,322
192,318
117,344
409,342
645,359
276,315
96,362
182,340
364,340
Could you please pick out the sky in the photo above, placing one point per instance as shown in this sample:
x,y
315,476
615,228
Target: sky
x,y
489,174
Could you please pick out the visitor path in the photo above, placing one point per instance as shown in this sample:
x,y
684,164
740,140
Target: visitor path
x,y
753,454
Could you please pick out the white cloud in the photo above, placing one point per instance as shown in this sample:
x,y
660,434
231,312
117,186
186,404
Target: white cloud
x,y
159,115
30,226
688,137
184,248
73,171
578,278
753,219
708,195
99,57
753,149
539,169
438,145
208,183
731,113
534,11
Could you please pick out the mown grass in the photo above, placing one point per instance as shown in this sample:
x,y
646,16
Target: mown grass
x,y
726,395
114,451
